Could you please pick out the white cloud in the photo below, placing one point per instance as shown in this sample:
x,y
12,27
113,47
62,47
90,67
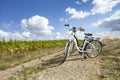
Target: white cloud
x,y
76,14
9,35
112,22
85,1
78,2
34,28
99,7
3,33
7,25
37,25
79,35
102,34
103,6
59,36
17,35
26,34
63,20
112,34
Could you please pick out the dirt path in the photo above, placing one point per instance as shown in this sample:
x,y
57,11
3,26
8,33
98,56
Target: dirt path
x,y
11,71
75,68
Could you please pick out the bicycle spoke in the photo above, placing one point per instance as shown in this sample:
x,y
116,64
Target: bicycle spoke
x,y
95,48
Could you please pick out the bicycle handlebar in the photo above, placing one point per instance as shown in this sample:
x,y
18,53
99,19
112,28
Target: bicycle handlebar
x,y
74,28
67,25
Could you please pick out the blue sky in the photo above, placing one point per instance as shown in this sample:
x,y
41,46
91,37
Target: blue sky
x,y
45,19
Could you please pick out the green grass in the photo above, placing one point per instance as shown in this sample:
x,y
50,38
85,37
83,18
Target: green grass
x,y
110,66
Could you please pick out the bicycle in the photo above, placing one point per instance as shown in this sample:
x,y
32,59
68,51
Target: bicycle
x,y
90,47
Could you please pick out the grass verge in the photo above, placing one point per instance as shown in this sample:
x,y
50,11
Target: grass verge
x,y
110,60
11,61
32,73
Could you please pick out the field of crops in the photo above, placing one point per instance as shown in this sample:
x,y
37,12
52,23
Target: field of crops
x,y
19,47
13,53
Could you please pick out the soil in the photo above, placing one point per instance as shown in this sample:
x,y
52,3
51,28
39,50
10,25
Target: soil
x,y
11,71
74,68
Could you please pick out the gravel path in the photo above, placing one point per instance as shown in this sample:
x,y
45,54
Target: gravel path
x,y
75,68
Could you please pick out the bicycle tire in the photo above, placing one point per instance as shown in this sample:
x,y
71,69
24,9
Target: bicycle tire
x,y
93,52
66,52
70,48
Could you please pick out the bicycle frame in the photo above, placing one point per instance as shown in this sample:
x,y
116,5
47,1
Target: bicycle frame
x,y
79,48
86,40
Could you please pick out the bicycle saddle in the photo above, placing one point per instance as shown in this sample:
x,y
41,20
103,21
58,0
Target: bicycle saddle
x,y
88,34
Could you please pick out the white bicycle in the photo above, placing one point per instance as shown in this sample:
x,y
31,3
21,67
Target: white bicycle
x,y
91,47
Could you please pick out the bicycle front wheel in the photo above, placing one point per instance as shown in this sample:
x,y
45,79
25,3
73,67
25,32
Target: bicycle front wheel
x,y
93,48
68,50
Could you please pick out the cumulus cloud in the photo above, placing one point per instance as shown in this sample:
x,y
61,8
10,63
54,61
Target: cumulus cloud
x,y
78,2
59,36
76,14
38,25
16,35
112,34
112,22
26,34
9,35
63,19
85,1
103,6
33,29
99,7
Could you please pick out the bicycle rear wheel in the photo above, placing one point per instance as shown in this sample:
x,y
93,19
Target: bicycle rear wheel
x,y
93,48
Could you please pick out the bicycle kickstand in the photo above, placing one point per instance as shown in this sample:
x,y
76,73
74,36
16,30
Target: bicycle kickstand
x,y
85,57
